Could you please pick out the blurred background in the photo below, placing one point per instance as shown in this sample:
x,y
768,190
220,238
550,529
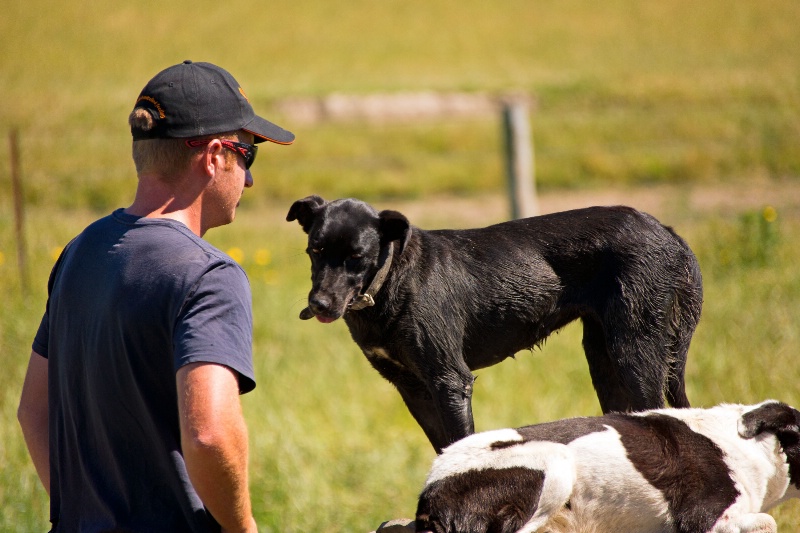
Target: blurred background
x,y
687,110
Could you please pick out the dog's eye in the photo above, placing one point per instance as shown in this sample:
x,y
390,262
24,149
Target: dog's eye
x,y
315,251
353,261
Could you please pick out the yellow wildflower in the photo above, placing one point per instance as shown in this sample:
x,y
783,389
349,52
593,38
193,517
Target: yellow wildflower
x,y
236,254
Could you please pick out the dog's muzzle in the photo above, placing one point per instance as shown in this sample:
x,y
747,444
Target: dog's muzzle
x,y
367,298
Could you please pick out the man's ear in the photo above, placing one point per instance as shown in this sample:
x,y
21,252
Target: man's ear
x,y
394,226
212,158
772,417
305,211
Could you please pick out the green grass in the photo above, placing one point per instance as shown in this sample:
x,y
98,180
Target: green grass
x,y
332,445
660,92
627,94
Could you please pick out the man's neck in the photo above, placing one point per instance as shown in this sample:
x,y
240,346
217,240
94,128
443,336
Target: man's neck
x,y
156,199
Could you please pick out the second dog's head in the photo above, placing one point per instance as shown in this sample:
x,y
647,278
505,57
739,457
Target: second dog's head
x,y
345,241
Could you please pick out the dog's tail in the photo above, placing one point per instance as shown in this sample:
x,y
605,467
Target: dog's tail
x,y
685,312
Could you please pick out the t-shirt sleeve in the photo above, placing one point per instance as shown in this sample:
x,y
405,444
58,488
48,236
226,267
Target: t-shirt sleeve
x,y
216,324
41,340
40,344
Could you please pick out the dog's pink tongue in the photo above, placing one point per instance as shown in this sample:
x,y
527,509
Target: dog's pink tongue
x,y
325,320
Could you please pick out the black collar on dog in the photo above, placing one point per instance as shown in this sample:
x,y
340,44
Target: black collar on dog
x,y
366,299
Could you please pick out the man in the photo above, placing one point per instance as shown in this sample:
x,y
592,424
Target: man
x,y
130,406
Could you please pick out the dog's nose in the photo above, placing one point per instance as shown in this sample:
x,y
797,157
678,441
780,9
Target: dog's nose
x,y
319,304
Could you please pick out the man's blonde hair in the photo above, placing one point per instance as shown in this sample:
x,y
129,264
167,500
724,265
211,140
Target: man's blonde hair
x,y
168,158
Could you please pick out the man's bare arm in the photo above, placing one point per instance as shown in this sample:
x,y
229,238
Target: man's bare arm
x,y
33,417
214,442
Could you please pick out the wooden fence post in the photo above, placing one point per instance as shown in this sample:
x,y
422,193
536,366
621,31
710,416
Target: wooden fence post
x,y
19,210
519,157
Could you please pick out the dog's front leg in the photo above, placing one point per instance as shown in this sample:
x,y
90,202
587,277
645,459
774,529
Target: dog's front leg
x,y
452,394
422,407
443,409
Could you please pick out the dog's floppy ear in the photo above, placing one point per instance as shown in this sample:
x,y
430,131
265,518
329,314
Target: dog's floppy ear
x,y
394,226
772,417
784,422
304,211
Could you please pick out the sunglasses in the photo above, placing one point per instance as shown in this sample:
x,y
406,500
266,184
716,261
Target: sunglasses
x,y
247,151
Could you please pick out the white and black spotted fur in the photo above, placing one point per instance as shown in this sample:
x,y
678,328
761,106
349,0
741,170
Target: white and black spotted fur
x,y
670,470
454,301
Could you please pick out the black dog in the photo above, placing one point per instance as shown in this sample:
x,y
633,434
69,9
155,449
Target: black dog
x,y
428,307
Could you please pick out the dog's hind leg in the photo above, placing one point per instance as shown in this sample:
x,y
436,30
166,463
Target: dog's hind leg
x,y
679,335
605,377
676,386
628,371
684,310
684,319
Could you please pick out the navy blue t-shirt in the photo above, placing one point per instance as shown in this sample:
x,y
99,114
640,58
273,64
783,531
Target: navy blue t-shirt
x,y
132,300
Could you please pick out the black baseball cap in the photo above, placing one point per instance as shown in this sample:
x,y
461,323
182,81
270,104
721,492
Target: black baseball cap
x,y
196,99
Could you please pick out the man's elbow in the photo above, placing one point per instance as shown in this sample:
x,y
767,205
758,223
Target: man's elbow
x,y
30,417
217,439
32,411
22,416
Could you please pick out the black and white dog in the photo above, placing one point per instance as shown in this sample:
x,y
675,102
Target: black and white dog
x,y
429,307
669,470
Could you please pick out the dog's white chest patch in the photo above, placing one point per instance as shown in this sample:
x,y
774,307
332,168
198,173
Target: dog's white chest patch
x,y
376,354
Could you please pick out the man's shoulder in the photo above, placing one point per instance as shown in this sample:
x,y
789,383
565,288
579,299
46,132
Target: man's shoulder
x,y
157,244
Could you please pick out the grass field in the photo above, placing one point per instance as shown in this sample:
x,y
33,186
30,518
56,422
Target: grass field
x,y
332,446
648,99
652,92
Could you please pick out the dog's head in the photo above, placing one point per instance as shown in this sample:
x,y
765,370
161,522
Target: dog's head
x,y
781,420
480,501
346,239
489,482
